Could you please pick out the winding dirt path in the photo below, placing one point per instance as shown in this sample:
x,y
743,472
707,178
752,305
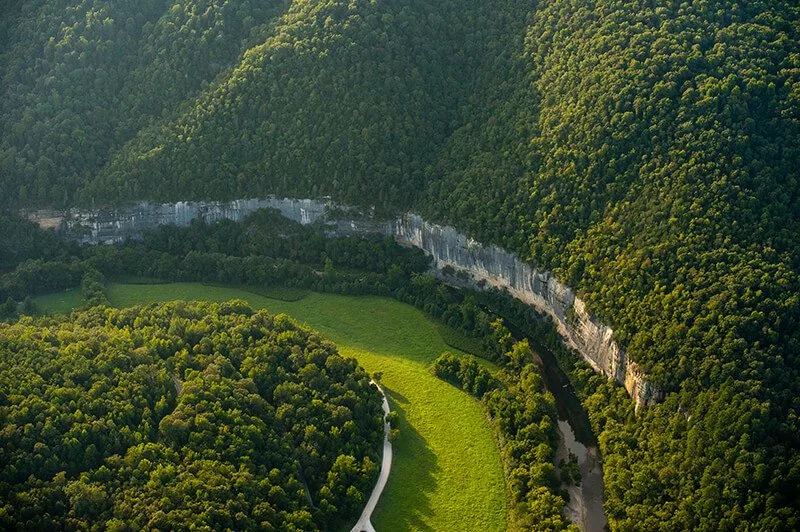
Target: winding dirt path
x,y
364,524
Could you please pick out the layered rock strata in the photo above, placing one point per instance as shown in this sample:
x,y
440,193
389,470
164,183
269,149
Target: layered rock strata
x,y
494,266
486,265
106,226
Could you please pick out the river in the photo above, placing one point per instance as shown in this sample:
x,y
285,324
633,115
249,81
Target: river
x,y
575,436
585,507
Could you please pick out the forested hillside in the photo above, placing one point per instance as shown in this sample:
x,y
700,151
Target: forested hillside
x,y
182,415
80,78
367,89
649,156
348,99
646,152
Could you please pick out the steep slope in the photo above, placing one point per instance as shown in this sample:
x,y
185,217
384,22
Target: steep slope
x,y
649,157
81,78
347,98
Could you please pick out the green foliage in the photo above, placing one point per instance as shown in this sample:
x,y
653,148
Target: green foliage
x,y
8,309
708,449
36,276
570,470
393,418
466,373
658,496
120,87
267,233
446,474
21,240
525,420
93,289
500,341
28,306
82,78
343,98
645,152
181,415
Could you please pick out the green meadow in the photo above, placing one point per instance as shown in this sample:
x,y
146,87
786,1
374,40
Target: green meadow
x,y
446,472
59,302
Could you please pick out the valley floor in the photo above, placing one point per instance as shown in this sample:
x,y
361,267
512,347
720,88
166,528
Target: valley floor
x,y
446,472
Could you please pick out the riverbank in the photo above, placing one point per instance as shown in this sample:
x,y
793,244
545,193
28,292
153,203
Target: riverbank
x,y
575,437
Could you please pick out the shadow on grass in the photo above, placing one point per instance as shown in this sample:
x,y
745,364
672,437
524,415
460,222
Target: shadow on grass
x,y
394,396
405,505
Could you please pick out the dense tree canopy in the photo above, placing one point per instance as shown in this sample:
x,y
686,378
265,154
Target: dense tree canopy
x,y
80,78
21,240
182,415
524,417
367,88
646,152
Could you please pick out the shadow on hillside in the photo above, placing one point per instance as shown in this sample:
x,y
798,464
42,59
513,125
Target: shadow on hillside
x,y
412,478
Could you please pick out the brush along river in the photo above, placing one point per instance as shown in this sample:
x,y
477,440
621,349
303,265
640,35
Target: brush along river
x,y
446,472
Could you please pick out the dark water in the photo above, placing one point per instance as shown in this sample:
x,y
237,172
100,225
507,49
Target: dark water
x,y
585,507
556,381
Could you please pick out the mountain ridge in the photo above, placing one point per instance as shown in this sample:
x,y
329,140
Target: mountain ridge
x,y
644,152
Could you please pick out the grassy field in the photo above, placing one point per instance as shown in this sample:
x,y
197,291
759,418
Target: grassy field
x,y
447,473
58,302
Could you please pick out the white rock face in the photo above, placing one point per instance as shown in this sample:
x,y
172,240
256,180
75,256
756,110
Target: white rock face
x,y
540,289
109,226
448,247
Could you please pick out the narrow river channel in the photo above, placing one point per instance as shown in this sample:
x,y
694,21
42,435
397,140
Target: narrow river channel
x,y
585,507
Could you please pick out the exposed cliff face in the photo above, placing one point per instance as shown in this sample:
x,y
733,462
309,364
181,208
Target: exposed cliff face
x,y
105,226
108,226
540,289
448,247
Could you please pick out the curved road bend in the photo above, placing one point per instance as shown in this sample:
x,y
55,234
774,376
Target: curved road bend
x,y
364,524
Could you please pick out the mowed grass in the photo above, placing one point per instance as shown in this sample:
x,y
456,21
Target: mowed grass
x,y
446,472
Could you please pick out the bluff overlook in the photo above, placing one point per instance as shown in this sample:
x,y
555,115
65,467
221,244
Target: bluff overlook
x,y
485,265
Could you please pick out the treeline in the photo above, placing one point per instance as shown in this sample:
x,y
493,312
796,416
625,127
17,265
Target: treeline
x,y
266,249
662,184
182,415
525,420
342,265
268,233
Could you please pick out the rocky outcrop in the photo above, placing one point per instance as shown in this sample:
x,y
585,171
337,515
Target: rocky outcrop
x,y
490,265
104,226
107,226
493,266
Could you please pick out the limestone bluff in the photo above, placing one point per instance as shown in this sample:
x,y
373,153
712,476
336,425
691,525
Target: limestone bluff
x,y
489,265
540,289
